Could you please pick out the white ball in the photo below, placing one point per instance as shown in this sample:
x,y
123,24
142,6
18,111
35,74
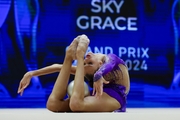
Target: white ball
x,y
70,88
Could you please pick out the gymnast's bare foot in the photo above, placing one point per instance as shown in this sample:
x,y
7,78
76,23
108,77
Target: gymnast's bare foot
x,y
82,46
71,51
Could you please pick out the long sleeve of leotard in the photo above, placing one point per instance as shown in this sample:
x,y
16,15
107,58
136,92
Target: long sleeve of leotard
x,y
111,64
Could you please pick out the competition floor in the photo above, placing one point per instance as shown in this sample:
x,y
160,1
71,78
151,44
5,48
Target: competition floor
x,y
131,114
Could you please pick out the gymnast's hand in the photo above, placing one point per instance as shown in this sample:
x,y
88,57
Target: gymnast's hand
x,y
98,87
25,81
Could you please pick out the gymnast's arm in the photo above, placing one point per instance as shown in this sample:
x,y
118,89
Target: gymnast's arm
x,y
25,81
106,67
50,69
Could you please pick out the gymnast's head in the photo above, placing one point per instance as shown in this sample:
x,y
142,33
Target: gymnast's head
x,y
92,62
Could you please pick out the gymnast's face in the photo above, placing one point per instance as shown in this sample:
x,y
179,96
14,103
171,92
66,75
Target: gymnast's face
x,y
92,62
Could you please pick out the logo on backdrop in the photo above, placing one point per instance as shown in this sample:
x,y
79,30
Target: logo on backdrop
x,y
114,15
106,14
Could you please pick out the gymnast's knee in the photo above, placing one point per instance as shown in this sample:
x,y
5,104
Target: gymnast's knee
x,y
76,105
51,105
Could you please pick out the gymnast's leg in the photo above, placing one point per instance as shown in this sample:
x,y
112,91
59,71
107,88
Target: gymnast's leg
x,y
88,104
56,102
79,77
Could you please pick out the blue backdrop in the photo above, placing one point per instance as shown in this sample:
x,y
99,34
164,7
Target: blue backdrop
x,y
145,33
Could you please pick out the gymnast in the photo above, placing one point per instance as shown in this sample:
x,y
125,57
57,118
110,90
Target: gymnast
x,y
107,74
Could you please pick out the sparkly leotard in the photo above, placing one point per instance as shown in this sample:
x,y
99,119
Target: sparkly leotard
x,y
111,71
110,68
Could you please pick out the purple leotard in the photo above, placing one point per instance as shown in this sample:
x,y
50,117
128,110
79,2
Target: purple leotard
x,y
109,70
110,66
